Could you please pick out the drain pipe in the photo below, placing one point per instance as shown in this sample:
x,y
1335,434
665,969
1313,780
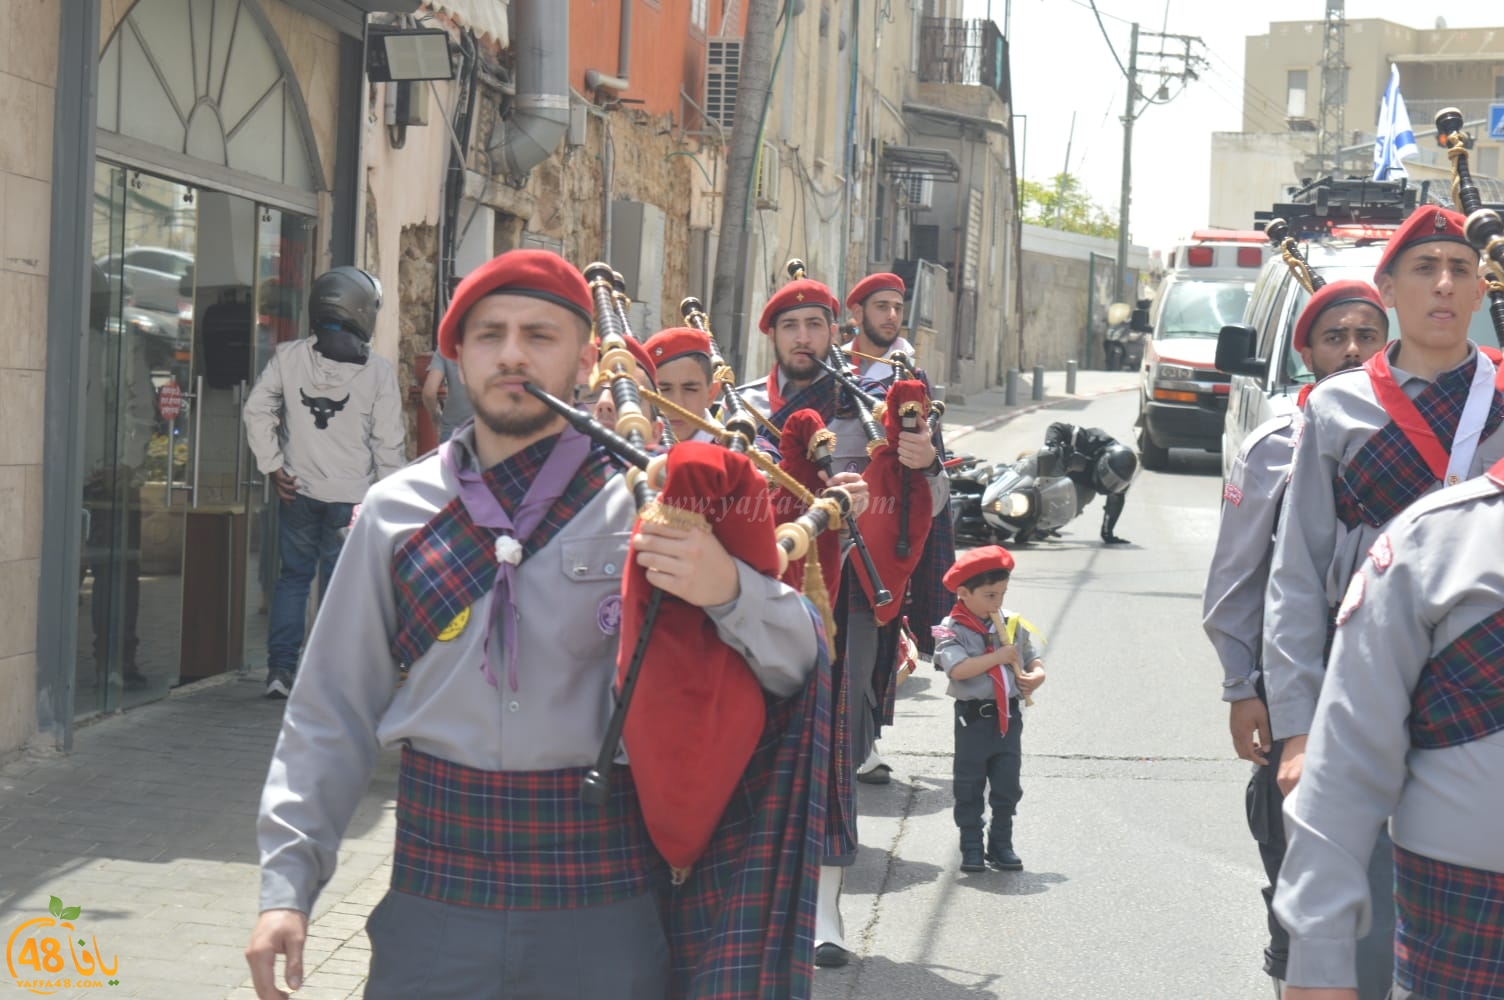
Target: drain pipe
x,y
595,79
540,110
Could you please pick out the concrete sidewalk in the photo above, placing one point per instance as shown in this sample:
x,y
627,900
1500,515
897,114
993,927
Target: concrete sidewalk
x,y
148,826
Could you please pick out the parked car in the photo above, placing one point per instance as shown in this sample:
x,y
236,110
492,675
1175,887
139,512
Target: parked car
x,y
1182,395
156,275
1266,371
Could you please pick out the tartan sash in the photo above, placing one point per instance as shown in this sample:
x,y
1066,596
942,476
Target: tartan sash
x,y
517,840
1389,473
1448,929
447,565
819,396
1460,695
743,926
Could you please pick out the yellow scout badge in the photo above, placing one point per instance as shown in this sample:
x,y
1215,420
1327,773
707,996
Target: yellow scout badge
x,y
455,627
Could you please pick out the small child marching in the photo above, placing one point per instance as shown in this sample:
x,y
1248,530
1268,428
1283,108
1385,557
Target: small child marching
x,y
991,658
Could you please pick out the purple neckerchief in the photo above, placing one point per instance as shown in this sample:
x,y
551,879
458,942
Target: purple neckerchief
x,y
485,510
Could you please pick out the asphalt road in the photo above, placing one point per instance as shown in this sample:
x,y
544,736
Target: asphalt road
x,y
1140,879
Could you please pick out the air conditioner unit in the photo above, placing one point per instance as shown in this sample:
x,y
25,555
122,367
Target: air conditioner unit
x,y
723,71
769,171
921,191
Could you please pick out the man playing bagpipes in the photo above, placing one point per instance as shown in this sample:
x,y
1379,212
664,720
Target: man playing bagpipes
x,y
881,356
477,620
800,319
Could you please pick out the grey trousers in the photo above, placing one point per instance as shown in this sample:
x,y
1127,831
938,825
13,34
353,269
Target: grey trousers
x,y
861,699
426,950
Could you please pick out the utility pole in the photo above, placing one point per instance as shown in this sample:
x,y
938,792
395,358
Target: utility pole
x,y
728,301
1333,89
1168,65
1125,194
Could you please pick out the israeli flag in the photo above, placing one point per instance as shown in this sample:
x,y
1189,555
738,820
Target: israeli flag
x,y
1396,140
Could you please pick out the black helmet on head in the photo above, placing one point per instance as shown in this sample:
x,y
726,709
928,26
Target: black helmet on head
x,y
342,307
1116,467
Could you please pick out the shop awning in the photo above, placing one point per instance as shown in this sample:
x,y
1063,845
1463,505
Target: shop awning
x,y
487,18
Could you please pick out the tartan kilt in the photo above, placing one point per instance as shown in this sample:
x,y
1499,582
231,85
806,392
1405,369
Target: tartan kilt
x,y
1449,928
517,840
742,926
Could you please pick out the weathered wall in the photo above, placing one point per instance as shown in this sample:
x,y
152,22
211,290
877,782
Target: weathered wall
x,y
418,254
1055,301
28,71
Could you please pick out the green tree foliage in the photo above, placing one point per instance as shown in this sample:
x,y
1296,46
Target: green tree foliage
x,y
1063,204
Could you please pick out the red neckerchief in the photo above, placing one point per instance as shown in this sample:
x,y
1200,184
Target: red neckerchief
x,y
1497,473
775,395
1303,395
1402,409
962,615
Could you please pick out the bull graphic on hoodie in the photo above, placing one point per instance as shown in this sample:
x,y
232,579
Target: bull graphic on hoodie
x,y
323,408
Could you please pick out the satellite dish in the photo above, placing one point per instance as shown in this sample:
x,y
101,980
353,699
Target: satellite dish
x,y
1441,22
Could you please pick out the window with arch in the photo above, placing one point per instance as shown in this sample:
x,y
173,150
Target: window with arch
x,y
207,78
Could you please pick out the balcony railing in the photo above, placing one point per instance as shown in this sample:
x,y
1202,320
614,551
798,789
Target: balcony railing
x,y
1423,111
973,52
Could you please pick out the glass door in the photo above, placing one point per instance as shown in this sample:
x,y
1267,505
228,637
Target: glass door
x,y
137,413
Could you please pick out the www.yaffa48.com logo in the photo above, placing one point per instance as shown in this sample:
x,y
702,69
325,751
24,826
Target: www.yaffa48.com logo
x,y
49,954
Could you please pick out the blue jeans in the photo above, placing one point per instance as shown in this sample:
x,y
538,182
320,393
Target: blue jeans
x,y
308,542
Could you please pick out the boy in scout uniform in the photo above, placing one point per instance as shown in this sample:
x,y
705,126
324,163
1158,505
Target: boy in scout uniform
x,y
1343,325
1409,728
1421,413
681,357
457,576
991,659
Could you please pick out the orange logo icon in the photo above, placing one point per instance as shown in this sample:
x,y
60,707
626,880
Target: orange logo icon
x,y
36,960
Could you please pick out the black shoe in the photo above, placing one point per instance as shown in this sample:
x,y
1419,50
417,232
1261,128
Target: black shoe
x,y
831,955
879,775
972,860
1003,859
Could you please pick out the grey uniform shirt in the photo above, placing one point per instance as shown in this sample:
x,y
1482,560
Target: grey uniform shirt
x,y
1233,606
334,425
955,644
346,705
1315,554
1438,571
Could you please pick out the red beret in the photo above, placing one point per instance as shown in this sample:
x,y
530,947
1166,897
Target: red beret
x,y
872,284
801,292
1337,293
986,559
639,351
536,273
1426,224
677,341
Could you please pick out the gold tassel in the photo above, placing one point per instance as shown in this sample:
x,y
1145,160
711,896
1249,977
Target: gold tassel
x,y
814,589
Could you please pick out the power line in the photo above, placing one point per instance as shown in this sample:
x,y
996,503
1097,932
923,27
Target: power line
x,y
1103,28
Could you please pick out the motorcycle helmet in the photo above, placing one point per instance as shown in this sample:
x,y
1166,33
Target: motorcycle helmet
x,y
342,307
1116,467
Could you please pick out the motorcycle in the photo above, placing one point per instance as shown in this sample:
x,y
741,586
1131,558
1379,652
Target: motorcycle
x,y
1031,498
969,477
1123,344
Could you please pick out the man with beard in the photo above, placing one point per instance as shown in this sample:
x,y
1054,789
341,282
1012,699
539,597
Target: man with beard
x,y
876,305
473,622
1421,413
1342,326
800,319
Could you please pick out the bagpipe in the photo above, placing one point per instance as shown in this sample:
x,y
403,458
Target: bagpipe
x,y
689,733
1484,228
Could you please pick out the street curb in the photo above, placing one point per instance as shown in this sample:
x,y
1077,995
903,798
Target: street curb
x,y
1003,418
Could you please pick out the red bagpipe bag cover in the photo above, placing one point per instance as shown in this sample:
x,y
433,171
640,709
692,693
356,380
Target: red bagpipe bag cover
x,y
698,711
887,480
793,447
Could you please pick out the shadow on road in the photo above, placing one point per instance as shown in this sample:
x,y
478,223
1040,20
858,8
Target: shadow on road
x,y
881,976
1024,883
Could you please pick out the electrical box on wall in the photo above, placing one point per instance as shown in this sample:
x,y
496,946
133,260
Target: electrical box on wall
x,y
637,234
412,103
578,114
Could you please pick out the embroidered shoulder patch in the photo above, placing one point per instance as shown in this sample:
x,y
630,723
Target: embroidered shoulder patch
x,y
1352,600
1232,494
608,614
1382,553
